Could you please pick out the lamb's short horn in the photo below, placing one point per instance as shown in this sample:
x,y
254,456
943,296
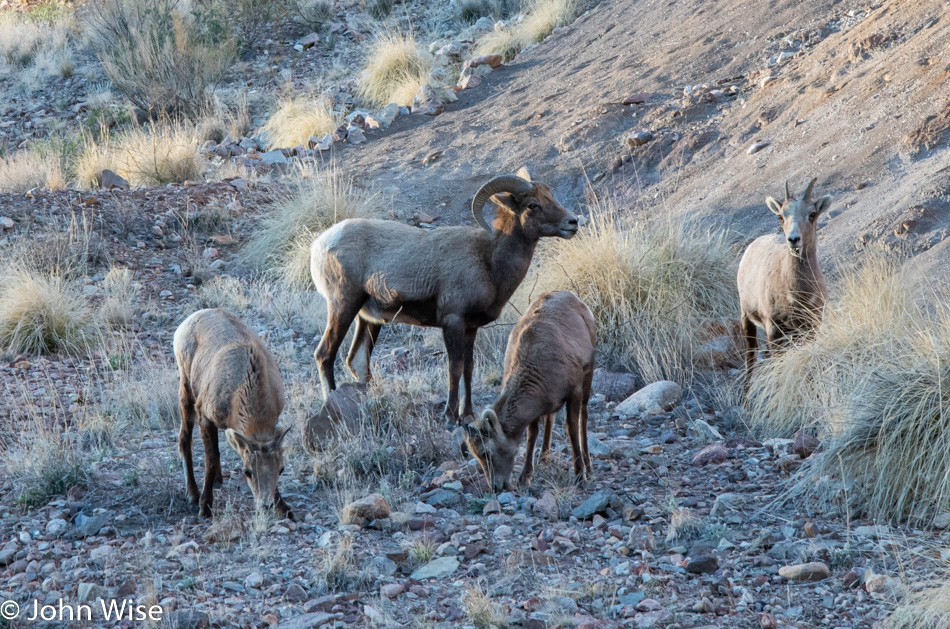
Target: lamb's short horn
x,y
502,183
788,195
807,195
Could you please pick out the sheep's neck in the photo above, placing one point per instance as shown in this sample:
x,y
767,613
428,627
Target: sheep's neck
x,y
803,277
517,407
511,258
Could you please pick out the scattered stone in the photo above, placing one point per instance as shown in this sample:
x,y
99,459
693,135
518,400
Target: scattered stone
x,y
307,41
756,147
804,444
391,590
274,157
492,506
713,454
436,569
320,144
492,61
810,529
111,181
814,571
595,503
342,411
89,592
355,135
703,565
636,99
295,593
308,621
615,386
546,507
6,223
254,580
942,521
652,399
56,526
637,137
372,507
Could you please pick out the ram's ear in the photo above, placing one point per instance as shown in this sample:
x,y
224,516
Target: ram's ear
x,y
774,205
491,422
505,200
523,173
823,204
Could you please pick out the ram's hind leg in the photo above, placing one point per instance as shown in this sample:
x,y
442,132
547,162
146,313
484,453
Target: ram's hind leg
x,y
364,340
527,472
186,405
751,335
339,318
546,443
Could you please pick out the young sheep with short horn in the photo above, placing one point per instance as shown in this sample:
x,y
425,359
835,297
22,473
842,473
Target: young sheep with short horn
x,y
454,278
549,362
230,382
781,288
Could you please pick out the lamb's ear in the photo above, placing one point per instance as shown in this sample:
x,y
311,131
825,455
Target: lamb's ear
x,y
523,173
491,421
774,205
823,204
237,441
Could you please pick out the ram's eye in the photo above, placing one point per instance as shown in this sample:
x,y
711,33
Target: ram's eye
x,y
813,216
248,473
534,206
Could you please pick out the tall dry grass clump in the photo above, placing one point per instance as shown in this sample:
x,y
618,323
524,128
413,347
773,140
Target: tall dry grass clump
x,y
41,313
874,384
163,59
651,287
321,198
155,155
299,118
28,39
25,170
542,17
396,68
928,608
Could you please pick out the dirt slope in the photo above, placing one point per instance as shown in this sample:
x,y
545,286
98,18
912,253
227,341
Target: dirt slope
x,y
848,102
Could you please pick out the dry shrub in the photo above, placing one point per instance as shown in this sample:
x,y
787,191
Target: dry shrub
x,y
42,313
873,383
542,18
44,462
25,170
162,59
379,9
143,395
338,570
321,198
159,154
121,298
298,118
26,41
313,14
650,288
928,608
395,71
480,610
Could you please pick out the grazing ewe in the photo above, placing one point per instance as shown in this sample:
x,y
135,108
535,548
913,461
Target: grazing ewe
x,y
781,288
230,381
549,361
454,278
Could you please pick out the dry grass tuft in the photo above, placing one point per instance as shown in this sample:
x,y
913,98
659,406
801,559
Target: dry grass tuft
x,y
929,608
542,18
313,14
156,155
25,170
43,45
395,71
322,198
338,571
379,9
44,463
873,385
299,118
650,288
480,610
41,313
161,59
122,295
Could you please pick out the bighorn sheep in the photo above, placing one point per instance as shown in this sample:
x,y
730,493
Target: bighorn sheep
x,y
230,381
781,288
549,361
454,278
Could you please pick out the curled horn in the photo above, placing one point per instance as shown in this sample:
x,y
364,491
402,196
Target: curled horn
x,y
503,183
807,195
788,195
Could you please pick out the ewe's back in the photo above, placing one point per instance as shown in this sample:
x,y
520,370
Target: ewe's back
x,y
555,339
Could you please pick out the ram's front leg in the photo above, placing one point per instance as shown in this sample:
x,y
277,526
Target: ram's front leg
x,y
453,333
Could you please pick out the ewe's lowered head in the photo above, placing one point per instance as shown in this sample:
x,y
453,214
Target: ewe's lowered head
x,y
492,448
531,203
799,217
263,464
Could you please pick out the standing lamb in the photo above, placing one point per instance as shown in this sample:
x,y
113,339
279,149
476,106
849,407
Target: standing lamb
x,y
549,361
781,288
454,278
230,381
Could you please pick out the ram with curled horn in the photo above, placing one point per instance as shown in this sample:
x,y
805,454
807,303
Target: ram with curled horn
x,y
454,278
781,287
